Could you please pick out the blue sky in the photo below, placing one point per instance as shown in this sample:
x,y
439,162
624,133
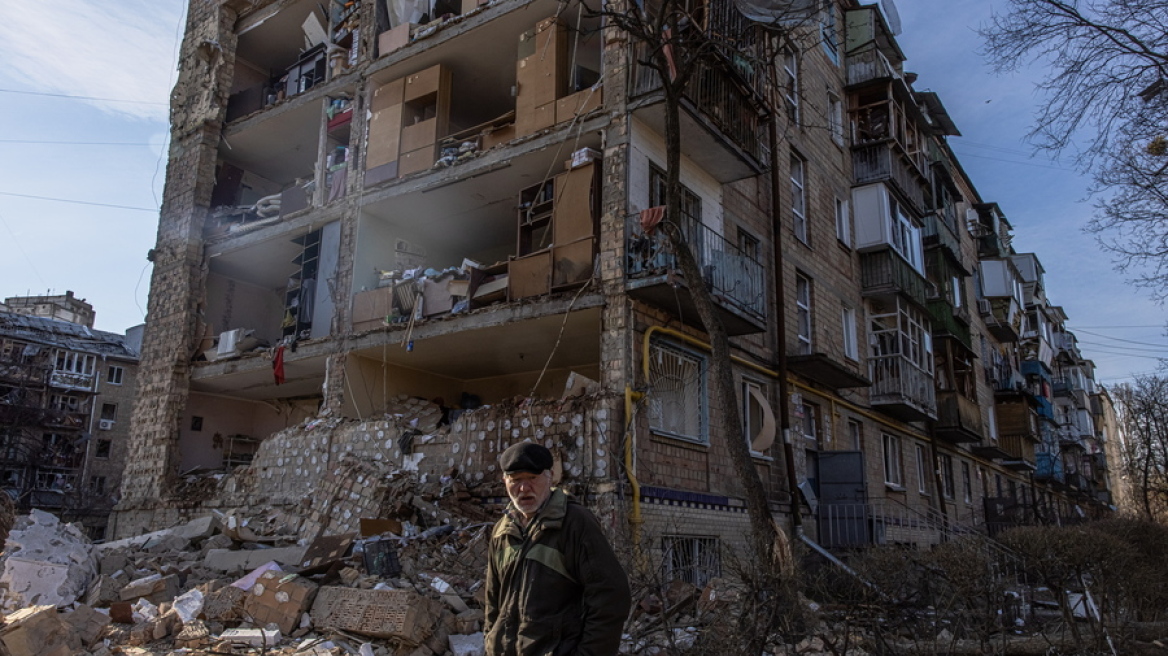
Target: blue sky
x,y
125,52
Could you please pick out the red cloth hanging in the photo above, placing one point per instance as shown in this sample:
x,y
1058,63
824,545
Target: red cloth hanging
x,y
651,217
278,365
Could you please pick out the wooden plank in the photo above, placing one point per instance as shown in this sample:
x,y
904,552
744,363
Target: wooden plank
x,y
530,276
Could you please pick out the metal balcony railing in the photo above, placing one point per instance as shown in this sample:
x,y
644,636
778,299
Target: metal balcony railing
x,y
885,161
71,380
884,272
897,380
733,276
938,231
718,97
869,65
944,318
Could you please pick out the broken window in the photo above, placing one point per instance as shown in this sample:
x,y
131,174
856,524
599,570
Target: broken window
x,y
677,397
75,363
103,449
692,559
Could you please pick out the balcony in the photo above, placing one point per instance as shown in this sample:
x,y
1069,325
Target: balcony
x,y
901,388
736,279
1045,408
827,370
939,231
71,380
869,66
958,418
945,321
1019,450
721,128
885,161
1049,467
884,273
1003,317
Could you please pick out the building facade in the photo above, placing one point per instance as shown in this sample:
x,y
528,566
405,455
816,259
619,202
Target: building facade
x,y
66,395
365,206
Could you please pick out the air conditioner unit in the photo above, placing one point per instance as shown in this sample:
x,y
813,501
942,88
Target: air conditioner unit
x,y
984,306
105,424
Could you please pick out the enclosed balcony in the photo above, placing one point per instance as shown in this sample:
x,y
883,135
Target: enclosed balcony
x,y
884,273
958,418
1003,317
1019,449
1049,467
946,322
901,388
735,278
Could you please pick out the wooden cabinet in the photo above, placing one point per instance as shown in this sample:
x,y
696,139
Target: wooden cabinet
x,y
557,222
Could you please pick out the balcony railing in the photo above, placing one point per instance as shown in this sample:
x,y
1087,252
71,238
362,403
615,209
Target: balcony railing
x,y
1049,467
938,231
71,380
717,96
869,65
897,382
1020,449
944,319
733,276
958,418
885,272
885,161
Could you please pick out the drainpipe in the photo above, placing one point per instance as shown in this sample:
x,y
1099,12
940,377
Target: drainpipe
x,y
781,306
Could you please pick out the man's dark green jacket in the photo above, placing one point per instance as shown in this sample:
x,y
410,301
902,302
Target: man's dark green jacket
x,y
556,588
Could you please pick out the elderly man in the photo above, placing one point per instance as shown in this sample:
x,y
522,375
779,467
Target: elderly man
x,y
554,586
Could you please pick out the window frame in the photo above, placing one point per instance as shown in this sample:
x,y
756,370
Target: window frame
x,y
798,178
659,348
829,33
835,118
893,467
922,470
111,378
748,429
849,325
790,64
804,315
948,484
101,446
855,430
703,553
966,483
843,222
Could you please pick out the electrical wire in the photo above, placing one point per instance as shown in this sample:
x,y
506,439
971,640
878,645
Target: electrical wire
x,y
1118,339
79,202
20,248
75,143
72,97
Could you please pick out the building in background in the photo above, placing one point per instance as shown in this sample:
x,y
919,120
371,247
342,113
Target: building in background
x,y
368,212
64,307
66,396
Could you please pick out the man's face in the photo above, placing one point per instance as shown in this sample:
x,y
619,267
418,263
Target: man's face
x,y
528,491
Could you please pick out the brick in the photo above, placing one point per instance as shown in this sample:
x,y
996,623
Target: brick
x,y
400,614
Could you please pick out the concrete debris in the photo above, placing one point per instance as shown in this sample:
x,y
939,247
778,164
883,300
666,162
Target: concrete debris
x,y
38,631
45,562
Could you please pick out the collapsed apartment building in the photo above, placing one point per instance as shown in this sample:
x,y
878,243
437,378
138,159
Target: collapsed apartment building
x,y
404,236
66,394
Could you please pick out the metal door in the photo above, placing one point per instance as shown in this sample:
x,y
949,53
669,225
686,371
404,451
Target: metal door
x,y
843,500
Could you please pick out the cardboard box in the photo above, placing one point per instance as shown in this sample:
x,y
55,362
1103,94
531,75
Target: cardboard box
x,y
395,38
387,95
581,102
418,160
280,598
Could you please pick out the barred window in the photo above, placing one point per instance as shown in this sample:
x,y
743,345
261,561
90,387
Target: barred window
x,y
692,559
677,398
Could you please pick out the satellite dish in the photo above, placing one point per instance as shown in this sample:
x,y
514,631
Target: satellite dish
x,y
892,15
781,12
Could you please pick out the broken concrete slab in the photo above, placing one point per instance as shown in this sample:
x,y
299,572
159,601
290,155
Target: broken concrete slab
x,y
155,588
193,530
468,645
224,560
38,631
46,562
251,637
103,592
87,623
376,613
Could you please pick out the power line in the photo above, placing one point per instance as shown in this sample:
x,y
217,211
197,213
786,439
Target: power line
x,y
65,95
75,143
1119,339
1108,327
16,240
1009,161
79,202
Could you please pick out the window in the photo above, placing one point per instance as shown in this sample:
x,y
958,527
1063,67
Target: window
x,y
893,475
966,483
803,313
75,363
855,435
922,470
848,324
905,235
694,560
958,295
109,411
843,222
103,449
691,205
835,118
791,86
114,374
809,420
196,423
97,484
947,482
828,34
753,413
748,244
65,403
799,197
677,401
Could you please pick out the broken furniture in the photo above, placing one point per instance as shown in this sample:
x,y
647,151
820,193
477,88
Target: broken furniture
x,y
548,90
410,116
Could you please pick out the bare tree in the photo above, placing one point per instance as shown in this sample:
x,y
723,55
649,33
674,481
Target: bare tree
x,y
1142,407
1108,83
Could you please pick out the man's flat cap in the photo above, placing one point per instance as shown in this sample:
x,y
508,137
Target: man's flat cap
x,y
526,457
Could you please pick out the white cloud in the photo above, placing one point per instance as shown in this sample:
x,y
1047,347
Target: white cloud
x,y
113,49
